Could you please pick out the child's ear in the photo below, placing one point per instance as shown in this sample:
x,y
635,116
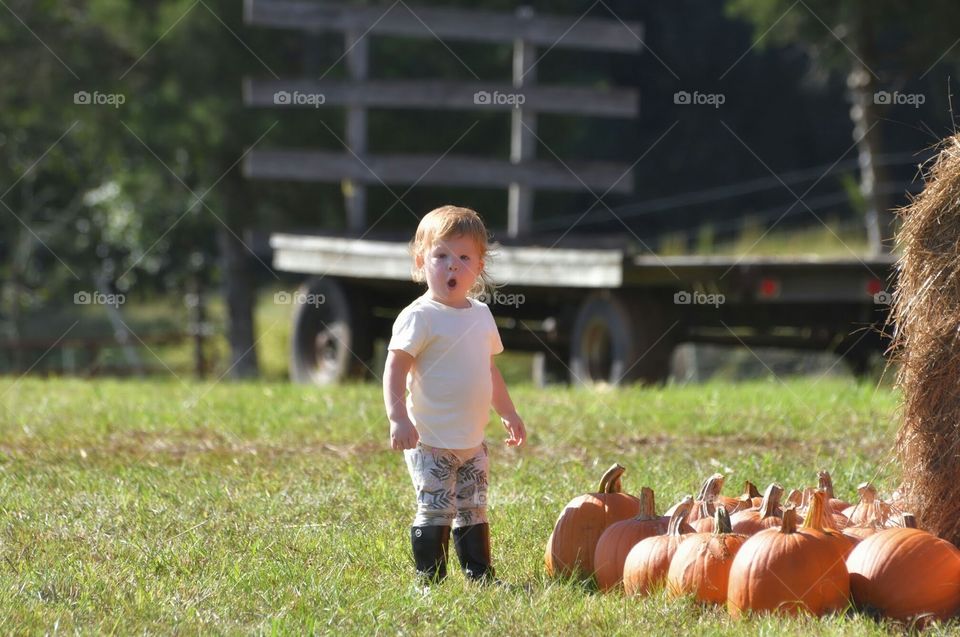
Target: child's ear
x,y
418,260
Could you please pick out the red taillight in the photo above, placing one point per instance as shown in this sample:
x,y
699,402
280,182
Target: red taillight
x,y
769,288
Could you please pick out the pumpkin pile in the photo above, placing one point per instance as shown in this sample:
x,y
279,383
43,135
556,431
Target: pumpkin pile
x,y
812,553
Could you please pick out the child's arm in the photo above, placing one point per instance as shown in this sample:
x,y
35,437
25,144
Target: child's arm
x,y
504,406
403,435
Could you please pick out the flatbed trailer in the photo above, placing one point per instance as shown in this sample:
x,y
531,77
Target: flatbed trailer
x,y
601,314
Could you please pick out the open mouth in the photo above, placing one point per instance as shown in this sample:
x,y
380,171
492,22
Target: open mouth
x,y
451,283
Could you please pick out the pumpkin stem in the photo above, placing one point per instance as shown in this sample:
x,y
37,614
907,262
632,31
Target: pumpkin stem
x,y
909,520
648,508
705,510
721,521
866,505
795,497
816,517
771,500
825,482
610,482
789,524
710,488
867,493
679,516
745,501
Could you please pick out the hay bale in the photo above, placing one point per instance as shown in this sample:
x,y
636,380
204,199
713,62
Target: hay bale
x,y
926,316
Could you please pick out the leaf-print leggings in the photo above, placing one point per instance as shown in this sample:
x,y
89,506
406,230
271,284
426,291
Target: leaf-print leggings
x,y
451,485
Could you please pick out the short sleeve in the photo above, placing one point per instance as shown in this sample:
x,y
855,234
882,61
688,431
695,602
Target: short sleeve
x,y
409,332
496,345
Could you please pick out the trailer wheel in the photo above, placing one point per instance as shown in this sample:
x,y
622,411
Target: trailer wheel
x,y
617,340
330,341
864,356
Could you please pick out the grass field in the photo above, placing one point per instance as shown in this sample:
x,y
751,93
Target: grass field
x,y
152,506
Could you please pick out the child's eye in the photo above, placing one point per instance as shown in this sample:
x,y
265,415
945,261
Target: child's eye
x,y
464,257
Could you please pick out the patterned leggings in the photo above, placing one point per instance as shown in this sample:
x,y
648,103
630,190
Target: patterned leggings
x,y
451,485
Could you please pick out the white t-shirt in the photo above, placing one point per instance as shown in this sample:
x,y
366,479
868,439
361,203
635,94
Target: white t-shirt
x,y
450,383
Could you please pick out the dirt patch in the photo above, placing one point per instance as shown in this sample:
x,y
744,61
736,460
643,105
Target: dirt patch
x,y
175,446
178,446
721,445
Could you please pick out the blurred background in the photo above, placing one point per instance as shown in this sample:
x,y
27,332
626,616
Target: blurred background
x,y
135,226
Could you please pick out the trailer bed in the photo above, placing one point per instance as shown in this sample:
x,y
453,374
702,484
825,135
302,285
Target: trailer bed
x,y
600,313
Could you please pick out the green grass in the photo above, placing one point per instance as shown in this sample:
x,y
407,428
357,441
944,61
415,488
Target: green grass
x,y
158,506
832,239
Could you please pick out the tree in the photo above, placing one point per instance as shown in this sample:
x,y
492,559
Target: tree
x,y
51,156
881,46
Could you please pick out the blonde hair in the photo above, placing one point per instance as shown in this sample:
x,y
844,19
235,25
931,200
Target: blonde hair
x,y
447,222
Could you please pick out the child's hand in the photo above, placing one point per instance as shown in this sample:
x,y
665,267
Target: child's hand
x,y
403,435
514,426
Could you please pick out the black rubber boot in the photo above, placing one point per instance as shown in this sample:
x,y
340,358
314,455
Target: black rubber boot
x,y
473,549
430,552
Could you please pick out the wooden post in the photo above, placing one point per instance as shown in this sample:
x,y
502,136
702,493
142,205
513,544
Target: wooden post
x,y
121,332
523,126
196,308
355,193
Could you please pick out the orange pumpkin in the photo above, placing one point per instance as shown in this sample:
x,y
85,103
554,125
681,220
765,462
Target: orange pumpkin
x,y
704,524
820,517
870,509
787,570
574,538
620,537
825,482
860,533
750,499
768,515
869,515
837,521
704,502
701,564
905,572
647,563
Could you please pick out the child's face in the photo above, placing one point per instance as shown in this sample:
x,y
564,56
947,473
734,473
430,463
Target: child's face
x,y
451,267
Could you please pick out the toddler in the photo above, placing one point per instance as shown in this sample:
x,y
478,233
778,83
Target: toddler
x,y
441,351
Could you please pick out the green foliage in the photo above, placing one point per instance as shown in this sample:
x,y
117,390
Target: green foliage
x,y
907,40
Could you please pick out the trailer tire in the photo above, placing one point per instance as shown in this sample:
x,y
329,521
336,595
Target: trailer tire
x,y
330,340
865,355
617,340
